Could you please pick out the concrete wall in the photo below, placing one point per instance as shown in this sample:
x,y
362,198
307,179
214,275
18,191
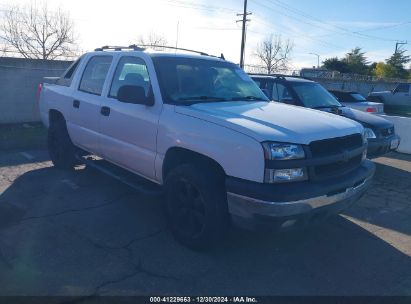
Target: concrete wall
x,y
403,129
19,79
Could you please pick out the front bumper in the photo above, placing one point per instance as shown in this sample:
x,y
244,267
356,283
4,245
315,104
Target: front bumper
x,y
381,146
279,204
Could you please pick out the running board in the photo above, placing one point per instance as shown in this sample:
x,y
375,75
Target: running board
x,y
130,179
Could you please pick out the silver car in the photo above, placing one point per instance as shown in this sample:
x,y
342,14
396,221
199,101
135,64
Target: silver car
x,y
356,101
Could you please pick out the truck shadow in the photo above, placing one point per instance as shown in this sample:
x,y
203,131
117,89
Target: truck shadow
x,y
21,157
388,203
46,213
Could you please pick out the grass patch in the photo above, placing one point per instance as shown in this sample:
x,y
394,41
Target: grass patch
x,y
23,136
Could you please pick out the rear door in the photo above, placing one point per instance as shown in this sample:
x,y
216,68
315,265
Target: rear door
x,y
86,103
129,131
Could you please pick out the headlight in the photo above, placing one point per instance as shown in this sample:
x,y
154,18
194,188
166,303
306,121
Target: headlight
x,y
285,175
369,133
282,151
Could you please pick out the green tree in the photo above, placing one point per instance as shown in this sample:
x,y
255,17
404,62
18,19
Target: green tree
x,y
357,62
398,61
335,64
384,70
354,62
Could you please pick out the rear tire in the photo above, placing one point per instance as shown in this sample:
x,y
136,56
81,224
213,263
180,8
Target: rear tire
x,y
61,149
196,206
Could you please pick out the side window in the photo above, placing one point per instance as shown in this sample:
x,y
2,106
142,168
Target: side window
x,y
67,77
280,92
95,74
130,71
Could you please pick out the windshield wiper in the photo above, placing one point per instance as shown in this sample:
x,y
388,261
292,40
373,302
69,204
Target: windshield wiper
x,y
200,99
327,107
252,98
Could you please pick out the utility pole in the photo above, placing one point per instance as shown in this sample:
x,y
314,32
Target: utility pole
x,y
399,43
243,37
178,31
318,59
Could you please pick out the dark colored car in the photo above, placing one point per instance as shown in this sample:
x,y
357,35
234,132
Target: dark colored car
x,y
302,92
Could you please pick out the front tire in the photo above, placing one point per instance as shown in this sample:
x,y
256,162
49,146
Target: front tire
x,y
61,149
196,206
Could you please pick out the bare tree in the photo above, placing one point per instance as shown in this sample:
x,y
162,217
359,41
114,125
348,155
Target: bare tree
x,y
274,53
152,39
3,50
36,32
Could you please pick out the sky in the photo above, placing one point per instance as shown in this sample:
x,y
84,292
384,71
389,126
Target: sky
x,y
324,27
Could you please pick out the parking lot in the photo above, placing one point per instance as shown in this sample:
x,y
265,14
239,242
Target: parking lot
x,y
82,233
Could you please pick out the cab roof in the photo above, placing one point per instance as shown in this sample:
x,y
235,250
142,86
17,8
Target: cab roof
x,y
282,77
153,51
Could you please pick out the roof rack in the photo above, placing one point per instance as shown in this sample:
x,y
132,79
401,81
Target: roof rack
x,y
119,48
282,76
145,46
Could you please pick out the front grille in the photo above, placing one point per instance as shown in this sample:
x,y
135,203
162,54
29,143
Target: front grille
x,y
334,146
387,132
337,168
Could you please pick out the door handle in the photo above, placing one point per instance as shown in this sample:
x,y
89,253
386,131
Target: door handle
x,y
76,104
105,111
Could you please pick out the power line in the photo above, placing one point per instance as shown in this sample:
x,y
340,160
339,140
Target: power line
x,y
384,27
316,22
399,43
304,37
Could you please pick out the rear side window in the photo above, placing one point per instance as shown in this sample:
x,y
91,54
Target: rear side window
x,y
68,75
95,74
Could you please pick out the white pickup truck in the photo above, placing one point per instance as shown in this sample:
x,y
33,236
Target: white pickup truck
x,y
396,101
202,131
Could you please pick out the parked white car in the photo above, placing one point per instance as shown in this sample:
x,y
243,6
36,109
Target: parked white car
x,y
199,129
356,101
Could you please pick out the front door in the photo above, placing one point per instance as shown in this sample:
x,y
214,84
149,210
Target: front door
x,y
129,131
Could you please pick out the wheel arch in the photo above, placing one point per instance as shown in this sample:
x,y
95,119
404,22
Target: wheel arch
x,y
176,156
55,116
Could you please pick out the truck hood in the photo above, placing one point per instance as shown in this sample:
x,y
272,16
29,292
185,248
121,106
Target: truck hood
x,y
272,121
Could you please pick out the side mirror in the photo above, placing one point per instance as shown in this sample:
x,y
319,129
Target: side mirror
x,y
266,93
136,95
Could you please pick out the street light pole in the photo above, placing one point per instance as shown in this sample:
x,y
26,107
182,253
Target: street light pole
x,y
318,59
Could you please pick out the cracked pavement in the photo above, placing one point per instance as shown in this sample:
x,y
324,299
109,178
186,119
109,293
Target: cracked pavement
x,y
84,234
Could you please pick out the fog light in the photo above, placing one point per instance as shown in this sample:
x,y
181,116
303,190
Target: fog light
x,y
285,175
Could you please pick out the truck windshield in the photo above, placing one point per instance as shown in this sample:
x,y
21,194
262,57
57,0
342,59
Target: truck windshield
x,y
313,95
191,80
